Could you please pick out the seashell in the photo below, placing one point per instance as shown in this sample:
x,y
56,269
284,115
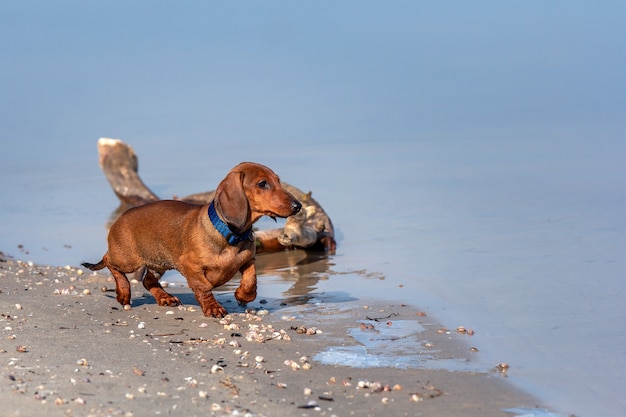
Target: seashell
x,y
416,398
216,368
376,386
259,359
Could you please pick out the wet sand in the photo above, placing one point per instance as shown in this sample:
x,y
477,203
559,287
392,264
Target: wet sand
x,y
68,348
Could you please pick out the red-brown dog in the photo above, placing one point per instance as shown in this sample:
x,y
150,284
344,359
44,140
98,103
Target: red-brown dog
x,y
206,244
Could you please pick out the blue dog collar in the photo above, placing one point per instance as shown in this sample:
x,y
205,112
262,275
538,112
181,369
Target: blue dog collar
x,y
231,237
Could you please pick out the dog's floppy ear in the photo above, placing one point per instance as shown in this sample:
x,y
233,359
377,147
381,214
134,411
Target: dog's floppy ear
x,y
232,202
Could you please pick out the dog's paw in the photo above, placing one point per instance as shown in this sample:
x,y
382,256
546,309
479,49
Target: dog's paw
x,y
168,300
215,311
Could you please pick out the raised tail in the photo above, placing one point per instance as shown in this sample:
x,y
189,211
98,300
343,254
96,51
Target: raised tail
x,y
94,267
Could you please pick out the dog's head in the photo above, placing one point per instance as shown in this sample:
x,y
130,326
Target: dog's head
x,y
252,190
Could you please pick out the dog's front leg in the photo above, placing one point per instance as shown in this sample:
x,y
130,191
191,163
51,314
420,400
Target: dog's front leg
x,y
246,292
203,290
210,306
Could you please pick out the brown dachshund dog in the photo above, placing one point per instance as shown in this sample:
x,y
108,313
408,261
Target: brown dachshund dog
x,y
206,244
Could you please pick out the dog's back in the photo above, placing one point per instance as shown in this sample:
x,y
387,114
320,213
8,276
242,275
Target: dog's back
x,y
150,235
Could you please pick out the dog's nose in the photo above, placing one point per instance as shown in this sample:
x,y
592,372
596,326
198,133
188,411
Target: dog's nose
x,y
295,206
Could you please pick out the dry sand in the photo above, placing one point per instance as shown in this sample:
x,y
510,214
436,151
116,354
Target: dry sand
x,y
67,348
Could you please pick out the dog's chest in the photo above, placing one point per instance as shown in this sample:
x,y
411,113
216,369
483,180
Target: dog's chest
x,y
223,266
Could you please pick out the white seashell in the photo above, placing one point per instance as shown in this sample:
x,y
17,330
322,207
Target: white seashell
x,y
416,398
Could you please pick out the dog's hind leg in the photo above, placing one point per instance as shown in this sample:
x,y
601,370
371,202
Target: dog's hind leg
x,y
151,283
122,286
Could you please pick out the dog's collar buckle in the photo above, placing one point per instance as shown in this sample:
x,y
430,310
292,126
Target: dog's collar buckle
x,y
231,237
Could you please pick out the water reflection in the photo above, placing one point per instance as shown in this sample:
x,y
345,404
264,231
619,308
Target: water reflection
x,y
301,269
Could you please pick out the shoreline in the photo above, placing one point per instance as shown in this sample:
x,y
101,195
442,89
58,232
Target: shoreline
x,y
68,348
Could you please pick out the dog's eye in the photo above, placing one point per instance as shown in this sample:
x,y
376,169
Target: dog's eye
x,y
263,184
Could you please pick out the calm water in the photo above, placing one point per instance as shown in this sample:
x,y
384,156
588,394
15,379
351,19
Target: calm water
x,y
472,160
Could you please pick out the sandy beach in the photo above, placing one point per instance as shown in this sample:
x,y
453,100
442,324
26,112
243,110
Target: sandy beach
x,y
68,348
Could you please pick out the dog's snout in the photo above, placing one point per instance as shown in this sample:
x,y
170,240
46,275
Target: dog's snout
x,y
295,206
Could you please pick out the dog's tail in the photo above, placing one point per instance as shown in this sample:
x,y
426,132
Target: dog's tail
x,y
94,267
